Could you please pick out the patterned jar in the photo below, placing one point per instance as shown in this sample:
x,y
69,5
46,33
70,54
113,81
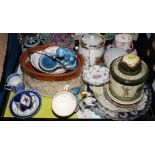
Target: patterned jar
x,y
128,75
92,48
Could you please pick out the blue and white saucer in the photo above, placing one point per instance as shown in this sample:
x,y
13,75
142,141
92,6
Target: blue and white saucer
x,y
25,104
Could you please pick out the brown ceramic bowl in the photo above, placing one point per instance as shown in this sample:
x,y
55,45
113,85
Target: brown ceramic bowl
x,y
29,69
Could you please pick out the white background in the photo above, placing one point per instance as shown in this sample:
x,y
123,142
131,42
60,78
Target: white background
x,y
77,138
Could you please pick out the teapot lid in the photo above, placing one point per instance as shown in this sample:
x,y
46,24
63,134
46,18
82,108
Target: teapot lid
x,y
92,39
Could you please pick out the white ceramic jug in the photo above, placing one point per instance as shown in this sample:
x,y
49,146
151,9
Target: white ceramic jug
x,y
92,48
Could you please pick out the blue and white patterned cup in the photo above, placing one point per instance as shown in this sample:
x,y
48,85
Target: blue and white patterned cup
x,y
15,83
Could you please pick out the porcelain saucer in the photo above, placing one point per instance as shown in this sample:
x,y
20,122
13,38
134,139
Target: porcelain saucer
x,y
116,112
96,75
119,102
15,103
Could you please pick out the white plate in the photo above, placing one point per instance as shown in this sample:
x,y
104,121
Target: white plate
x,y
100,95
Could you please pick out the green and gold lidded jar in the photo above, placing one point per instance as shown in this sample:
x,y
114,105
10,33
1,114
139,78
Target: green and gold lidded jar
x,y
128,75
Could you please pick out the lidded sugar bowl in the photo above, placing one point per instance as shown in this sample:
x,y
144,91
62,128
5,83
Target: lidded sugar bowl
x,y
128,75
91,47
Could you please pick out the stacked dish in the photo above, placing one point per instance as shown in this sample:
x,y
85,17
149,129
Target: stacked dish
x,y
128,75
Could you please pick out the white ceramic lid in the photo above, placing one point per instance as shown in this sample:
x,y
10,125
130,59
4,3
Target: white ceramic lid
x,y
92,39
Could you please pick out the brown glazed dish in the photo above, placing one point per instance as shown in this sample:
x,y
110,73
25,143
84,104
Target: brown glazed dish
x,y
29,69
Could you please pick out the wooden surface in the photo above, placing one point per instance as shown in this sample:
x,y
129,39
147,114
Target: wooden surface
x,y
3,48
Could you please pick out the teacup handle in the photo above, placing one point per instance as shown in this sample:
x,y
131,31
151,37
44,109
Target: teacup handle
x,y
131,47
7,87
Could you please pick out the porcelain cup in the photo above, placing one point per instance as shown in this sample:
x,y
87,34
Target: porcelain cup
x,y
15,83
124,41
64,103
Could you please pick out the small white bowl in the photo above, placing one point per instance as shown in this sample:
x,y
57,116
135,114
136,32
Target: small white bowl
x,y
64,104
